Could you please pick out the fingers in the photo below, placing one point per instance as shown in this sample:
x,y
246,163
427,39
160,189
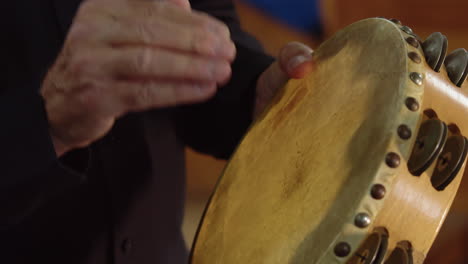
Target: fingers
x,y
184,4
295,59
166,34
168,26
149,64
141,96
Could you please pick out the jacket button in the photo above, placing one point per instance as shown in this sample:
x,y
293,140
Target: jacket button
x,y
126,246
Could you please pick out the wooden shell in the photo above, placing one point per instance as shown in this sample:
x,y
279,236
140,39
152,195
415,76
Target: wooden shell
x,y
306,168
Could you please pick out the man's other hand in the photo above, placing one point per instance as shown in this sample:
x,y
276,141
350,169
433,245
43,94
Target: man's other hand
x,y
294,61
123,56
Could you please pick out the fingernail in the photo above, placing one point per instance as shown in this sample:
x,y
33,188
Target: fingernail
x,y
298,60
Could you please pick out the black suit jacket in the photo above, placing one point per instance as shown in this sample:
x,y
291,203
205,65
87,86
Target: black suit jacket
x,y
121,199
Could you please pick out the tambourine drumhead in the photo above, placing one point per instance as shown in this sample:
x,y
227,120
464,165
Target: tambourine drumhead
x,y
306,166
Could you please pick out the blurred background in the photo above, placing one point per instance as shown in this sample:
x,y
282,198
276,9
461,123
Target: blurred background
x,y
277,22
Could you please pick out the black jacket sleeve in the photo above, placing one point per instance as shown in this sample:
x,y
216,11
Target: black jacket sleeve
x,y
216,127
30,171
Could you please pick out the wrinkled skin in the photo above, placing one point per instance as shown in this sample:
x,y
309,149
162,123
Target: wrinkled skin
x,y
132,55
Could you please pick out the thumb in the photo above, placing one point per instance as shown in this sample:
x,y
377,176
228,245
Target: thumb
x,y
295,60
184,4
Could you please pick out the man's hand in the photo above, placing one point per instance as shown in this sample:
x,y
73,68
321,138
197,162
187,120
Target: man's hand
x,y
294,61
122,56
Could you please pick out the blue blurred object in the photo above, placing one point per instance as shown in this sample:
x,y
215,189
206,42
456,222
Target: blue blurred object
x,y
301,14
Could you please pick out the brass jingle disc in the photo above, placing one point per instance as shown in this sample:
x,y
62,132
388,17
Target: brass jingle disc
x,y
373,250
402,254
435,50
449,162
429,144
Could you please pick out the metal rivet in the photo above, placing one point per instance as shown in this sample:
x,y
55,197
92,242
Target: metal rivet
x,y
396,21
407,30
412,104
393,160
413,42
417,78
362,220
378,191
415,57
404,132
342,249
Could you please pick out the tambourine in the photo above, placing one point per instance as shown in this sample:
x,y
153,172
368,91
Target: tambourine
x,y
357,163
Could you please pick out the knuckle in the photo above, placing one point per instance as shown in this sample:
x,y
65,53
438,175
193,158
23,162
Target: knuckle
x,y
203,42
144,32
142,97
142,60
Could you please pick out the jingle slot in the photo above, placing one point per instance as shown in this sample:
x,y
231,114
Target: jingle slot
x,y
431,114
457,66
435,50
454,129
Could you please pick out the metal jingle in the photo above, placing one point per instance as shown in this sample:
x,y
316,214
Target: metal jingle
x,y
429,143
402,254
457,66
435,50
450,162
373,250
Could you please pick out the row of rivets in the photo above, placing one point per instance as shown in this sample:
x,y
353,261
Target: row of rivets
x,y
378,191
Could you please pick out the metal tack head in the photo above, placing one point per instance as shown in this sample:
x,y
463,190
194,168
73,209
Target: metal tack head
x,y
415,57
412,104
396,21
435,50
342,249
417,78
392,160
378,191
362,220
404,132
457,66
407,30
412,41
